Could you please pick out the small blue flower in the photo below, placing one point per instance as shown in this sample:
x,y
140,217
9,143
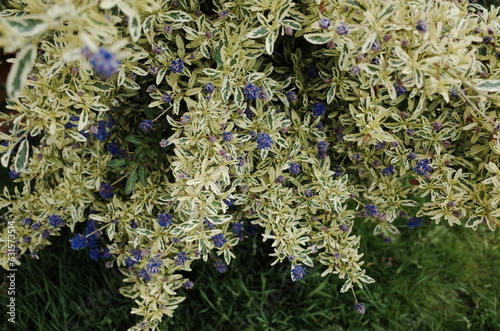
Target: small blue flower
x,y
400,89
241,161
422,167
309,193
264,141
167,98
294,168
325,23
146,125
389,170
371,210
26,221
229,202
227,136
251,91
55,220
298,273
219,240
36,226
176,66
414,222
344,228
411,156
422,26
180,258
14,174
104,63
376,46
79,241
291,96
188,285
322,147
318,109
106,191
375,61
360,308
209,88
342,29
102,131
154,265
219,266
165,220
114,148
208,224
144,275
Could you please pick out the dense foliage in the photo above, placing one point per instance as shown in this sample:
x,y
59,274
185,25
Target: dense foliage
x,y
174,128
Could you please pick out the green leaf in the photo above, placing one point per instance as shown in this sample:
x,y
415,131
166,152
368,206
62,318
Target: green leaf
x,y
317,38
115,163
211,72
366,279
356,4
134,140
347,285
260,32
291,24
19,70
143,175
99,107
270,40
27,27
100,87
22,155
130,185
176,16
134,27
226,88
489,85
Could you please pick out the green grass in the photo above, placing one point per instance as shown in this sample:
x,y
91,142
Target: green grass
x,y
430,278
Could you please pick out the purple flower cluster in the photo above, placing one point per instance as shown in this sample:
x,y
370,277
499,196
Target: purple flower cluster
x,y
238,230
114,148
298,273
251,91
209,88
264,141
371,209
322,148
291,96
360,308
165,220
188,285
400,89
389,170
227,136
342,29
318,109
180,258
177,66
79,241
146,125
294,168
154,265
106,191
102,130
219,240
325,23
414,222
104,63
219,266
422,167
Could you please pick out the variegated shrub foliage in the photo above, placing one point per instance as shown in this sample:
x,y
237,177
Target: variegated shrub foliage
x,y
173,126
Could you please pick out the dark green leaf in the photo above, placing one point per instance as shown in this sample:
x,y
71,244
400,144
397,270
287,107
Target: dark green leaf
x,y
130,185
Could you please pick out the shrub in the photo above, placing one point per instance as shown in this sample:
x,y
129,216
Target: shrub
x,y
172,128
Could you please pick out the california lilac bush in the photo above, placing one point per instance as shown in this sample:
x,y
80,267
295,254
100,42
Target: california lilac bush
x,y
171,129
